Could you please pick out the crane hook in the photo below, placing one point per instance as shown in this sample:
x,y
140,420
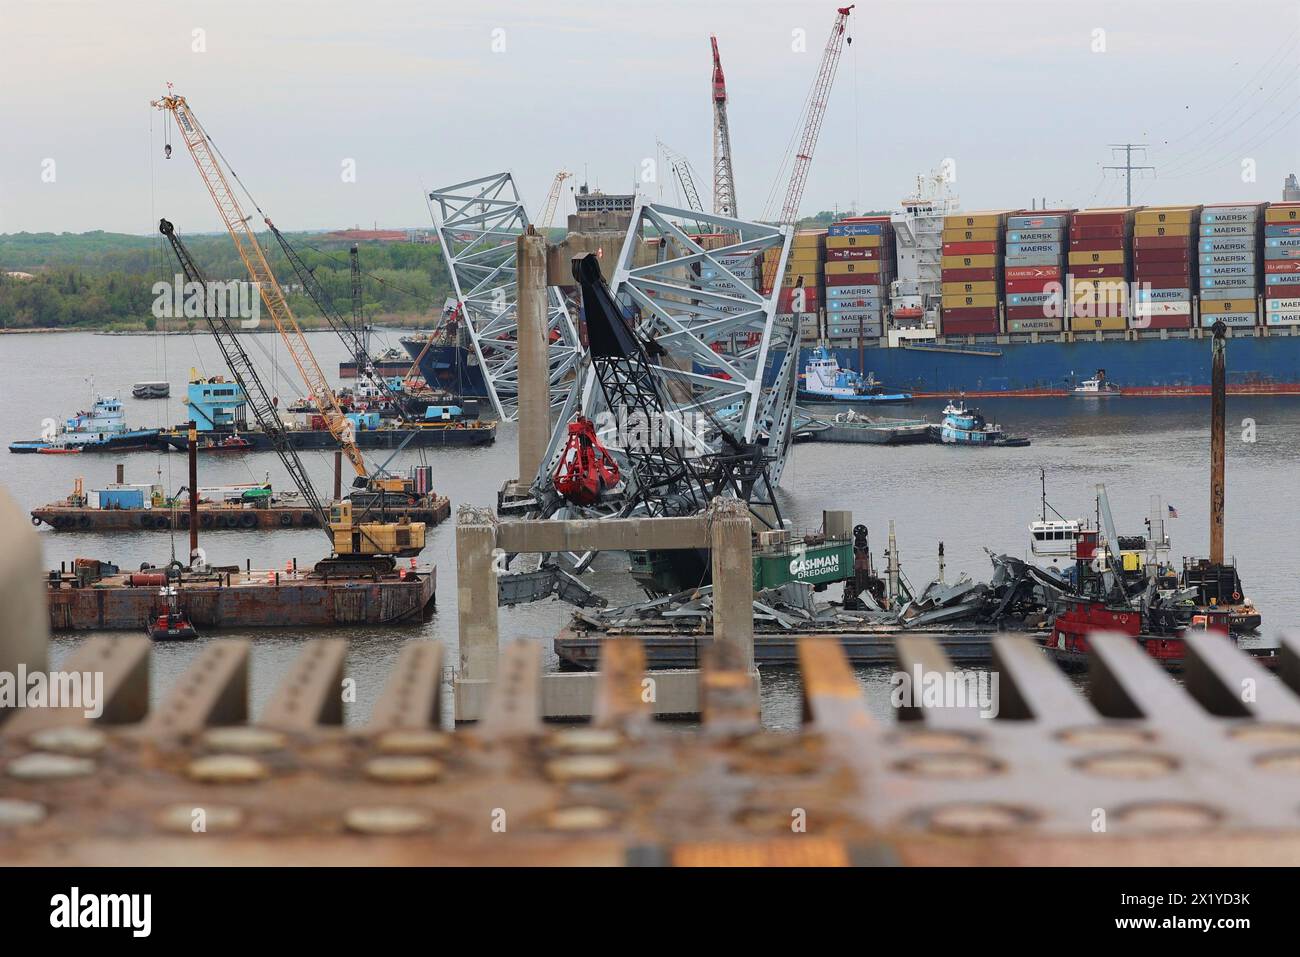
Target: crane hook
x,y
167,151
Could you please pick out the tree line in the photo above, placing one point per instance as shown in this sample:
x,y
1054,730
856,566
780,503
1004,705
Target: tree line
x,y
103,280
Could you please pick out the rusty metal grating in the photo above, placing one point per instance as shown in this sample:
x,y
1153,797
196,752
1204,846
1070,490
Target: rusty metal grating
x,y
1141,771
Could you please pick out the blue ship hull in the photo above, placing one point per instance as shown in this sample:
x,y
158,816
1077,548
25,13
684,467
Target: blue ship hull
x,y
1053,368
450,369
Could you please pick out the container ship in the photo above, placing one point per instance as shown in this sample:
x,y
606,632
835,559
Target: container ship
x,y
1039,302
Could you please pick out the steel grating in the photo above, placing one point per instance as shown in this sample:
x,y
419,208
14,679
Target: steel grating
x,y
478,223
1143,771
726,351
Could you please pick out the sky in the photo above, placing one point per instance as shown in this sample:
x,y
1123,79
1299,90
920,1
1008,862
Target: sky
x,y
1018,100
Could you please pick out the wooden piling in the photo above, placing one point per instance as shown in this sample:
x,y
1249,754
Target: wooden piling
x,y
1218,423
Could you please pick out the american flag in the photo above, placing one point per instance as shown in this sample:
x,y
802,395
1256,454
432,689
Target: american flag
x,y
1173,512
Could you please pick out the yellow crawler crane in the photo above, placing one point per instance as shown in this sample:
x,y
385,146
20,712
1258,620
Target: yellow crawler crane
x,y
359,546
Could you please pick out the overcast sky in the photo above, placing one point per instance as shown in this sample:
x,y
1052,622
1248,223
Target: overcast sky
x,y
1023,97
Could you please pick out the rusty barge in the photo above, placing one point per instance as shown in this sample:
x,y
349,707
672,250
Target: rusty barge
x,y
94,596
63,517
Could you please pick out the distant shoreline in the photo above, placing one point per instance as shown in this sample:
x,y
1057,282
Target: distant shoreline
x,y
389,323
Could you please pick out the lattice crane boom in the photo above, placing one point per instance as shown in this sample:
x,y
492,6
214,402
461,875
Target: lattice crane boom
x,y
816,111
553,199
259,270
724,180
817,101
681,169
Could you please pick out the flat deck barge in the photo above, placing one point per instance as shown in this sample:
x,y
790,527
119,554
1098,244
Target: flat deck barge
x,y
71,518
964,644
247,599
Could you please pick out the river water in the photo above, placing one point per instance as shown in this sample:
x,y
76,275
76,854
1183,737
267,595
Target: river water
x,y
967,498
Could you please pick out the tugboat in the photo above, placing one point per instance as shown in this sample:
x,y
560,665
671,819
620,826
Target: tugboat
x,y
102,429
825,381
231,443
1098,387
962,425
170,624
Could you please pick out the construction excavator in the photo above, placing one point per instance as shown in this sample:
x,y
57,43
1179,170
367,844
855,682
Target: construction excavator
x,y
359,547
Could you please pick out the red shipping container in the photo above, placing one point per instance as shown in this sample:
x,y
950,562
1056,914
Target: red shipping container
x,y
1162,242
967,327
853,279
1033,272
1104,271
1096,232
857,252
1035,312
970,312
786,296
1160,322
1163,255
1030,285
1152,270
1090,219
1289,291
980,274
1096,245
1282,265
971,248
1182,281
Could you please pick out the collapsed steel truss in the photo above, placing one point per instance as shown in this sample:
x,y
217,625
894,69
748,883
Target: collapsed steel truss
x,y
724,350
478,223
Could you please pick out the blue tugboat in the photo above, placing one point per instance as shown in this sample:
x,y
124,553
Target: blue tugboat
x,y
825,381
102,429
962,425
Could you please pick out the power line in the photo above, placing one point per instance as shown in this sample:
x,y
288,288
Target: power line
x,y
1128,167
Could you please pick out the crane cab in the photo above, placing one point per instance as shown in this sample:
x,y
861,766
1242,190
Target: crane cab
x,y
402,539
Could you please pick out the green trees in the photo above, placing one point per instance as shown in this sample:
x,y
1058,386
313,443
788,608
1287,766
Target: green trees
x,y
98,279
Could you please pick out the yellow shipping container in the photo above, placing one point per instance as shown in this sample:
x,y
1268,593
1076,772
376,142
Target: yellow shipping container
x,y
1282,214
1093,323
1097,257
969,262
1156,229
1216,306
973,220
969,288
809,237
963,302
803,262
985,234
853,267
1166,216
851,242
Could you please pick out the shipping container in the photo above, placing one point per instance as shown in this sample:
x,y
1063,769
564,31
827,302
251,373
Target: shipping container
x,y
1141,309
1282,213
852,242
1039,323
975,220
1102,257
1038,299
842,255
1161,321
1096,232
1286,266
969,327
850,279
841,230
1282,292
851,292
964,302
863,267
1034,272
1283,318
1224,230
1182,216
969,312
969,262
968,288
1111,271
1230,214
1282,229
1182,255
1032,285
1229,319
1214,259
1213,306
1282,305
975,274
1031,221
1142,270
1094,323
1143,243
989,235
1164,282
1143,293
1150,232
1238,244
970,249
